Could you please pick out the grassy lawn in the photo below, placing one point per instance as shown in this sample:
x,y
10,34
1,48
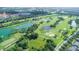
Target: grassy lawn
x,y
37,44
10,41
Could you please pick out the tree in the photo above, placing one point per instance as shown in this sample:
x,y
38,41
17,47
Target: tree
x,y
1,39
32,28
41,22
70,22
61,18
52,25
22,44
49,45
32,36
62,48
64,32
69,41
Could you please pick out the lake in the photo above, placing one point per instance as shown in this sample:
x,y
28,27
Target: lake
x,y
5,32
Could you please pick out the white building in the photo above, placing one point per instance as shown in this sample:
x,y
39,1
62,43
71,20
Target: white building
x,y
73,24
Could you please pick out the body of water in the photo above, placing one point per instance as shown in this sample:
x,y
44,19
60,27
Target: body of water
x,y
5,32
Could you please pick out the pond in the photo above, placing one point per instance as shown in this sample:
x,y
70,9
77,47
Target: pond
x,y
46,27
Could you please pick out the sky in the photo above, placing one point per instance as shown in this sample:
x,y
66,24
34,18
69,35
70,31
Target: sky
x,y
39,3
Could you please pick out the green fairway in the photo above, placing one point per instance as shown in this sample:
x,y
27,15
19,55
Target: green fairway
x,y
10,41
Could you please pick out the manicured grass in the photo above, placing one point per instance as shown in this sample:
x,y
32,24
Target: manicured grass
x,y
37,44
10,41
